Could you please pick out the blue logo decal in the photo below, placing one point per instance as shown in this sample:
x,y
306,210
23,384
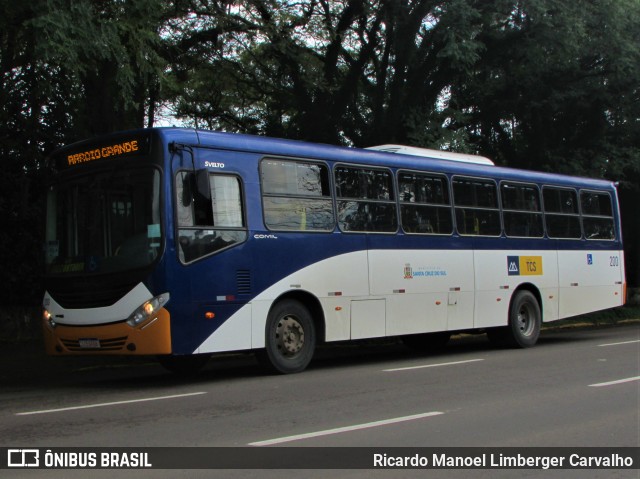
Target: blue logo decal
x,y
513,265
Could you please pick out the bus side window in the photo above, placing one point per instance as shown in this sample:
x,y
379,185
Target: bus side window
x,y
562,218
597,215
207,227
521,210
424,203
296,196
366,200
476,207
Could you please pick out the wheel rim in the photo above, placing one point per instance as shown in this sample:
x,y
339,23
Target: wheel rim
x,y
526,321
289,336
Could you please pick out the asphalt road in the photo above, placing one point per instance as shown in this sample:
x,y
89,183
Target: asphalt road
x,y
575,388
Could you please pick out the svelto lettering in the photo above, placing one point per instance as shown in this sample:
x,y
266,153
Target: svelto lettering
x,y
210,164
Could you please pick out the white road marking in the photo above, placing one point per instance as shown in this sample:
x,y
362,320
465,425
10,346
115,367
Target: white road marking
x,y
340,430
115,403
618,344
613,383
433,365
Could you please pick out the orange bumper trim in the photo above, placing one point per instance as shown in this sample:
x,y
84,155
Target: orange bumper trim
x,y
150,338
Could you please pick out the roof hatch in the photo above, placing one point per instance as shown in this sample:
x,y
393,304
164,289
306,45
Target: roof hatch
x,y
427,153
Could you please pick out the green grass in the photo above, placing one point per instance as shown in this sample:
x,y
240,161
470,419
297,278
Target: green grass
x,y
609,317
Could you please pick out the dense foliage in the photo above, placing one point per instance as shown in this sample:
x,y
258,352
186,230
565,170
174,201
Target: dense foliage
x,y
541,84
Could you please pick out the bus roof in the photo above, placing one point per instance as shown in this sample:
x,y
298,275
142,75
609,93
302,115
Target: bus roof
x,y
428,153
374,157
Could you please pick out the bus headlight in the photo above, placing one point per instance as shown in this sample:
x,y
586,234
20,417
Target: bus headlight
x,y
48,319
147,310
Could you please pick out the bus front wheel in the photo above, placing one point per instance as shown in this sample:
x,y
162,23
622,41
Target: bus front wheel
x,y
525,321
290,339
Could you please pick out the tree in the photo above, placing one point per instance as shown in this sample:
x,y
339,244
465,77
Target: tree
x,y
542,84
556,86
111,52
70,69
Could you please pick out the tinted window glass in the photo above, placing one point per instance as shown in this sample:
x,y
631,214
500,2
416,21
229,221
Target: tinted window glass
x,y
520,197
362,183
474,192
558,200
522,215
597,215
424,203
561,213
596,204
476,207
296,196
422,188
365,200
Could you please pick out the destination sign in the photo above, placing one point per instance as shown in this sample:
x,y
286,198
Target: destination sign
x,y
118,149
111,147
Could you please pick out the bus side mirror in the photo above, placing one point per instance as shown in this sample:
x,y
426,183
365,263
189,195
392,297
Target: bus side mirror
x,y
202,184
203,210
187,195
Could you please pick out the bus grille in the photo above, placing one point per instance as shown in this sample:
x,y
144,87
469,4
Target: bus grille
x,y
109,344
243,279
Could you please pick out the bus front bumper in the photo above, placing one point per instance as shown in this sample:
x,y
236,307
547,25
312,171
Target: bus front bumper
x,y
150,338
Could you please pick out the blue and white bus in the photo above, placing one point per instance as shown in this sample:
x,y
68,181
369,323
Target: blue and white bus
x,y
182,243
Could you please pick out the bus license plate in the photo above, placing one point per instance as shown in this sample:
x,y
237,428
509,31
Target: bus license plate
x,y
89,343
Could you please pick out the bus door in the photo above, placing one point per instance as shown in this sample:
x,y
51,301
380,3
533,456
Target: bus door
x,y
211,235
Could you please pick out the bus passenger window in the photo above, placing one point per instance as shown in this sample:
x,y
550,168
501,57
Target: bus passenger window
x,y
521,211
424,203
207,227
562,217
296,196
476,207
366,201
597,215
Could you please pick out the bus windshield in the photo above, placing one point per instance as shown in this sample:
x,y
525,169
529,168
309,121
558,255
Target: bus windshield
x,y
104,222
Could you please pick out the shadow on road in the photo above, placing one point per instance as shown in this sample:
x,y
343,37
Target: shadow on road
x,y
25,366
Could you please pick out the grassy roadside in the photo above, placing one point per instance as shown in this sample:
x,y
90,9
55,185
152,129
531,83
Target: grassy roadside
x,y
609,317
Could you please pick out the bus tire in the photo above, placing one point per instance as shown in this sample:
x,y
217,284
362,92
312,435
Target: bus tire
x,y
525,320
290,339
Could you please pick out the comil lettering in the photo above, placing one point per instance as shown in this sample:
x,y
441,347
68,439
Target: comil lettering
x,y
105,152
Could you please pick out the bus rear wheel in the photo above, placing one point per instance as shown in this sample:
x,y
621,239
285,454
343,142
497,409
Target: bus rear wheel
x,y
290,339
525,321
